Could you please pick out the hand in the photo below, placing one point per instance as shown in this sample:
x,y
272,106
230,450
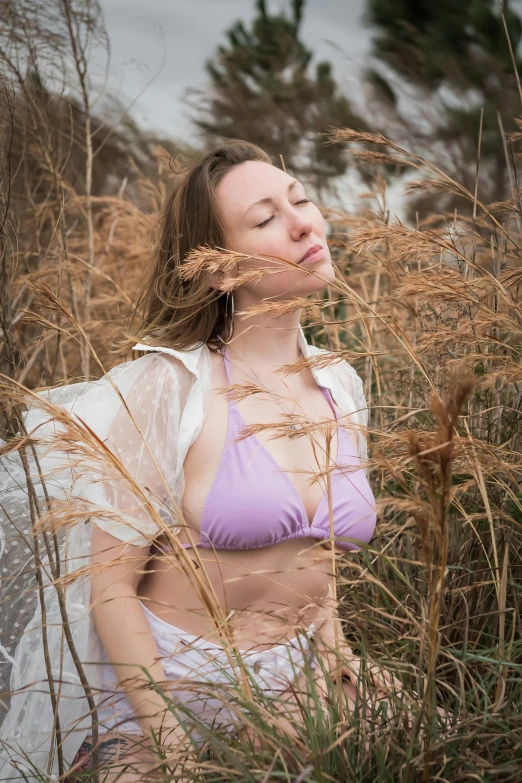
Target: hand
x,y
385,688
175,754
349,665
322,688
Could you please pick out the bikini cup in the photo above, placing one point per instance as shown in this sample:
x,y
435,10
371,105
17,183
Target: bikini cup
x,y
253,503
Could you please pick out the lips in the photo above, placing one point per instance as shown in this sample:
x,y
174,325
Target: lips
x,y
309,252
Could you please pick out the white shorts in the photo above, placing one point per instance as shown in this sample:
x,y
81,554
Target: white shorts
x,y
197,662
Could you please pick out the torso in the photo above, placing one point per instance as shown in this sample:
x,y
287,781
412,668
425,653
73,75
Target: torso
x,y
272,590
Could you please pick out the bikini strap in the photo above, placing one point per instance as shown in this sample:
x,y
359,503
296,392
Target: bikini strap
x,y
227,364
327,393
224,351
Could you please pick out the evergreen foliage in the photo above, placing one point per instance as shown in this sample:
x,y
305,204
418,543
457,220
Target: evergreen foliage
x,y
261,91
457,59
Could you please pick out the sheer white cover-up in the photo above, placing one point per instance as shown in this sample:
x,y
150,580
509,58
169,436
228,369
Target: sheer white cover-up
x,y
146,413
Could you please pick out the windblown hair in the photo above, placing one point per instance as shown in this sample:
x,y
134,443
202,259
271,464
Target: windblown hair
x,y
171,310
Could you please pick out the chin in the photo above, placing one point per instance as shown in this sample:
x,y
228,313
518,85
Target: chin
x,y
315,284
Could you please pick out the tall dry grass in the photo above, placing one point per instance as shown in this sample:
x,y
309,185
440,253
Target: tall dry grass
x,y
430,315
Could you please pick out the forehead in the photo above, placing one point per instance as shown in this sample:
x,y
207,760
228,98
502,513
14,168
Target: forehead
x,y
248,182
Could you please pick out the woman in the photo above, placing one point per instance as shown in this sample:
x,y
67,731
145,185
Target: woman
x,y
252,520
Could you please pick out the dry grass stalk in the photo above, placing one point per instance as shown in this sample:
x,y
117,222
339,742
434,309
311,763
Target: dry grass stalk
x,y
436,597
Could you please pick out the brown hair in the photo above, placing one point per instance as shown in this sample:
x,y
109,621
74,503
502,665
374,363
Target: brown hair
x,y
184,313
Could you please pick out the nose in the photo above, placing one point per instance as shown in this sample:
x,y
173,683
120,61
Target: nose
x,y
301,225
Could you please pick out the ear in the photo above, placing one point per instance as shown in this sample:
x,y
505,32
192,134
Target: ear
x,y
215,278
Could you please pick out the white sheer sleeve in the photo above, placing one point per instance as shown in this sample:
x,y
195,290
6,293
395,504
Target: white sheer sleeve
x,y
111,446
110,451
137,485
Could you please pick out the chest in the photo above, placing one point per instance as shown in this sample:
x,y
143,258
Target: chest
x,y
302,458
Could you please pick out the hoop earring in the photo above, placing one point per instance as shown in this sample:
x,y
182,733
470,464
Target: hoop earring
x,y
226,306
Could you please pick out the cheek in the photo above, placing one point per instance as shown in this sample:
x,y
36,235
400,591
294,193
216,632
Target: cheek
x,y
319,222
262,243
271,239
250,243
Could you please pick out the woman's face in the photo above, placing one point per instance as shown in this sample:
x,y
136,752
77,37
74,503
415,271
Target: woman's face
x,y
266,212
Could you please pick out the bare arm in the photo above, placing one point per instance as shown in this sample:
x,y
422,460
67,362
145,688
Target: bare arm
x,y
125,632
339,656
330,636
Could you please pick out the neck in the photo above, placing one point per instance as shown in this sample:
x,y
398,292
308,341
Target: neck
x,y
265,341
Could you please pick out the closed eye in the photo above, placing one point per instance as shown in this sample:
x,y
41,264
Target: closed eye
x,y
267,221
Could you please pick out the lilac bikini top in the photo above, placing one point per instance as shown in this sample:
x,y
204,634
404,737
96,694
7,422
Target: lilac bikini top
x,y
253,503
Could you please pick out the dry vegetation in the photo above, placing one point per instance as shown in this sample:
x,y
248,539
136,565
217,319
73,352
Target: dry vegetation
x,y
431,317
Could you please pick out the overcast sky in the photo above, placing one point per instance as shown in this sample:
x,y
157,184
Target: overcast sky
x,y
171,39
159,48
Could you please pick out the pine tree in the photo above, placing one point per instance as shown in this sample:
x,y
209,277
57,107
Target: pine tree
x,y
261,91
457,58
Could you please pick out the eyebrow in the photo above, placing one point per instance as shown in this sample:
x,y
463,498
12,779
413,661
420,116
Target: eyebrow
x,y
269,198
